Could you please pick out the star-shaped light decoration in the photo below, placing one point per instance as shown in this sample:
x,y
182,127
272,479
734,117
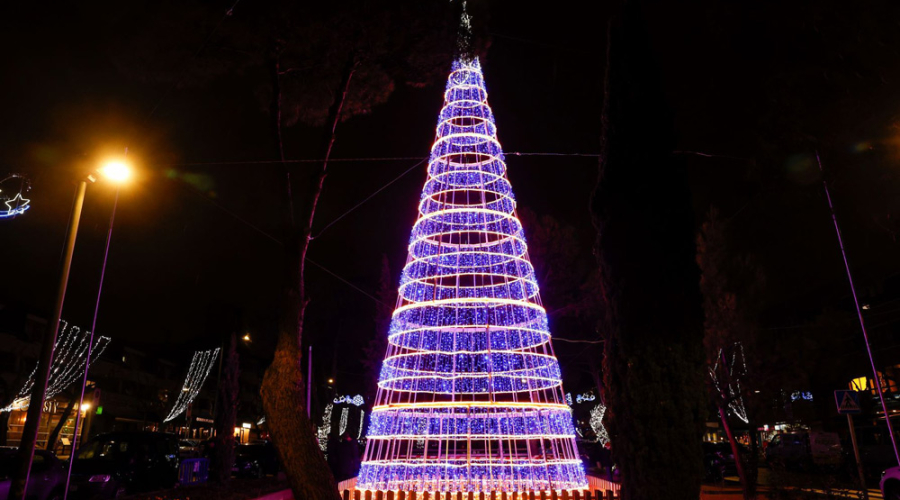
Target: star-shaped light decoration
x,y
14,207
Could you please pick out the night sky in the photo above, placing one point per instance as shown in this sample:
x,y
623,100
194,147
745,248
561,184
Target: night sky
x,y
759,87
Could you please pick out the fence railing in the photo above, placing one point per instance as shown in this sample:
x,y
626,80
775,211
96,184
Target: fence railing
x,y
494,495
193,471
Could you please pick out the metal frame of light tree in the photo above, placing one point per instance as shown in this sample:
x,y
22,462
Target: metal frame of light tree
x,y
470,395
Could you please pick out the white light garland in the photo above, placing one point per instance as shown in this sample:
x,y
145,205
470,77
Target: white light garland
x,y
362,423
325,429
597,413
201,364
69,354
345,414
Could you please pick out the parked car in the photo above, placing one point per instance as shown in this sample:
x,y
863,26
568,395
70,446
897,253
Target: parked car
x,y
188,448
890,484
718,461
47,478
805,449
255,460
110,465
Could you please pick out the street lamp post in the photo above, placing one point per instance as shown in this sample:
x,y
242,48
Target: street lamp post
x,y
117,172
25,454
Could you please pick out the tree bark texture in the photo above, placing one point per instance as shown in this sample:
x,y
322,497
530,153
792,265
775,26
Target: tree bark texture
x,y
226,414
652,317
282,388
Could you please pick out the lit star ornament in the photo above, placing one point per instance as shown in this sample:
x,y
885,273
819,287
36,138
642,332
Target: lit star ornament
x,y
16,206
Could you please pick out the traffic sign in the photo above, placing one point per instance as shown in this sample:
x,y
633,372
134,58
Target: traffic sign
x,y
847,402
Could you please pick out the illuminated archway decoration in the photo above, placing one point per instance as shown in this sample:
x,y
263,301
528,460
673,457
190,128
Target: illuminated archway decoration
x,y
12,201
470,396
201,364
69,357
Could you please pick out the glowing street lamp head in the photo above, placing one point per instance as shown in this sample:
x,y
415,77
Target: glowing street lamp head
x,y
85,406
116,171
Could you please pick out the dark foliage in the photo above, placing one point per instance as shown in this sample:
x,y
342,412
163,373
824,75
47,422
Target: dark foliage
x,y
653,322
377,347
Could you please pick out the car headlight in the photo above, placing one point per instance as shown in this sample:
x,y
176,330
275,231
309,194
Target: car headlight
x,y
99,478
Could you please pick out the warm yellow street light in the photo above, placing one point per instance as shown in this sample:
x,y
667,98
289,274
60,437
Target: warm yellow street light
x,y
85,406
247,337
116,170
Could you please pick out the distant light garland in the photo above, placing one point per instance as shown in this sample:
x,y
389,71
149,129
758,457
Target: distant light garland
x,y
355,400
583,398
345,414
469,396
201,364
325,429
69,353
599,429
362,423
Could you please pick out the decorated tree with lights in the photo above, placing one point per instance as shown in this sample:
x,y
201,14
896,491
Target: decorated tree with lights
x,y
470,396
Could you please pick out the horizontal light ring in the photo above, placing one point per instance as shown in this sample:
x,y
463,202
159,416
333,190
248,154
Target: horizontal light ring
x,y
465,437
428,258
475,302
473,404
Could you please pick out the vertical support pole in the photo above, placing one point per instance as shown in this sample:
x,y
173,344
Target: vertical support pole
x,y
859,465
25,455
862,323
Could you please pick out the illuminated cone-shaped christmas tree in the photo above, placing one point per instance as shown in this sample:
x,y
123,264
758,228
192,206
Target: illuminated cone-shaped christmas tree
x,y
470,396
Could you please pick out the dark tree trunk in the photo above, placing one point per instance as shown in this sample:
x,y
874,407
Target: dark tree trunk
x,y
735,450
4,428
54,436
282,388
226,414
653,322
723,416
